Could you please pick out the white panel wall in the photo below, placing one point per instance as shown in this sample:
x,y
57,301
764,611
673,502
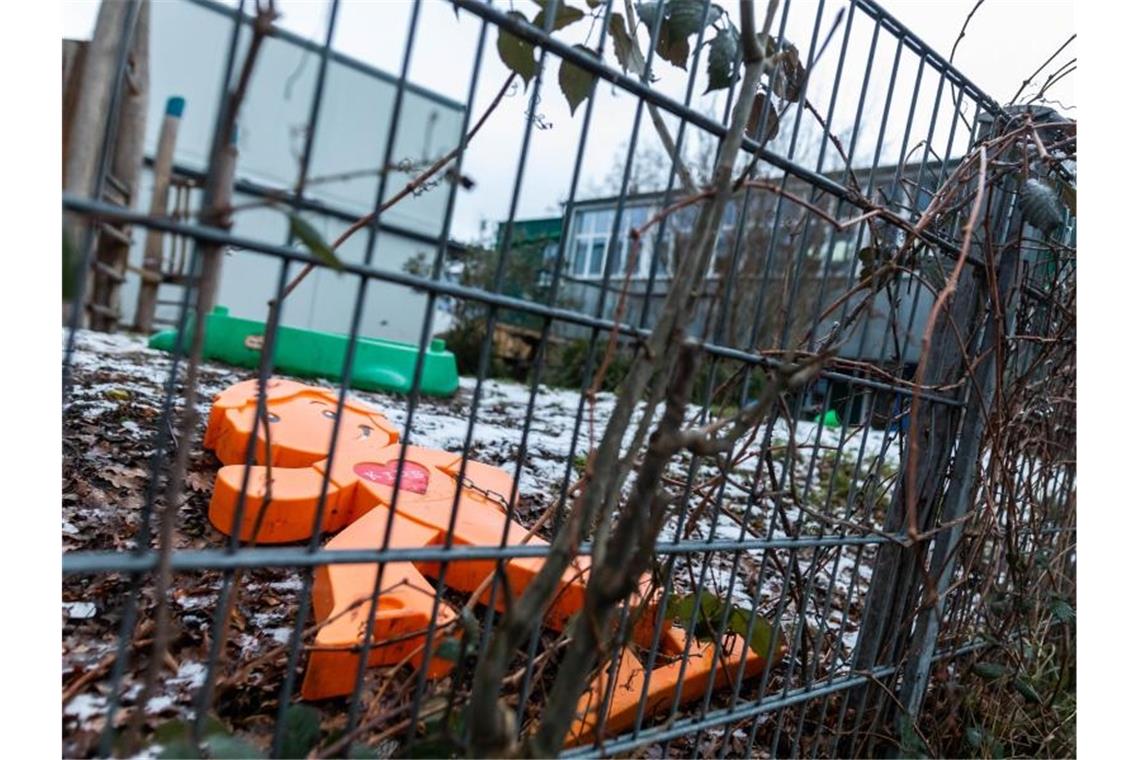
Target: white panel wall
x,y
189,42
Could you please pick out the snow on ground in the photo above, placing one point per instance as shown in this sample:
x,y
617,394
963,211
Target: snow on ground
x,y
109,423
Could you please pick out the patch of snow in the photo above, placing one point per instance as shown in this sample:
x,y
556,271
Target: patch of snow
x,y
149,753
850,638
248,643
193,674
288,584
197,602
85,706
159,704
80,610
281,635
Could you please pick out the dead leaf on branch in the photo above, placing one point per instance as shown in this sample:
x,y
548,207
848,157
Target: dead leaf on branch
x,y
517,55
763,107
623,45
575,81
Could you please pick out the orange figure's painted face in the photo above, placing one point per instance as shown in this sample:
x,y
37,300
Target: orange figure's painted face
x,y
301,420
303,425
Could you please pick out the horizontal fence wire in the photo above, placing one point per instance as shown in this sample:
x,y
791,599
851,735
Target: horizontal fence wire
x,y
97,210
78,563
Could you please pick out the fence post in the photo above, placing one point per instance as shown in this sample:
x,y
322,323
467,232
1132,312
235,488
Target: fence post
x,y
961,489
895,577
959,493
896,582
112,251
93,122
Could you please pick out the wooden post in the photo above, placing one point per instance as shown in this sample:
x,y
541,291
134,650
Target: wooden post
x,y
217,214
88,114
152,255
114,247
74,53
89,117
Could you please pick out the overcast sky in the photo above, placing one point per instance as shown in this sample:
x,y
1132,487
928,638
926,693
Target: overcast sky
x,y
1005,42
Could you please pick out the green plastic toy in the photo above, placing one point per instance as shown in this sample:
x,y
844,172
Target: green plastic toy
x,y
831,419
379,365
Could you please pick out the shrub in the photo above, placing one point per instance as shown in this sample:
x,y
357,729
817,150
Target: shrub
x,y
566,364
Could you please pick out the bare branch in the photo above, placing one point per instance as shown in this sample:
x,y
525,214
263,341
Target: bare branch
x,y
412,185
1041,68
966,23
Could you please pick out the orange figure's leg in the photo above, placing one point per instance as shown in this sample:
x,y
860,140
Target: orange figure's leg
x,y
480,524
342,597
428,483
630,681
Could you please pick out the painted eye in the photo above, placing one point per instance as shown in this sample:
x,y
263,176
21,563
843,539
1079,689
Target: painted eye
x,y
272,417
329,413
365,431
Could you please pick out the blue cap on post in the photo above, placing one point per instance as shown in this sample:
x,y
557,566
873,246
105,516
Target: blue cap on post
x,y
175,105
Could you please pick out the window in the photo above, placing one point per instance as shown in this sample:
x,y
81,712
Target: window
x,y
594,227
843,251
725,241
907,195
634,217
836,250
590,238
592,232
681,226
549,260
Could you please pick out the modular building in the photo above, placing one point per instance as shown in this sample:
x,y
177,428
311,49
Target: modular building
x,y
189,43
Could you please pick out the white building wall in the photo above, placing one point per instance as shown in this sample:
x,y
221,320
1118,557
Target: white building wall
x,y
189,43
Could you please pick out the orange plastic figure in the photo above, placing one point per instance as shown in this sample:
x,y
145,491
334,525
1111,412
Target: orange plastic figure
x,y
359,510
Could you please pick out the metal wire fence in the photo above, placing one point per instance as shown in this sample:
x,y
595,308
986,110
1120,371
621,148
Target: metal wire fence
x,y
857,543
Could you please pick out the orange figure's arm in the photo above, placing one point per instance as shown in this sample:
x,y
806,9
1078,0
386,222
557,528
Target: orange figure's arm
x,y
291,509
342,596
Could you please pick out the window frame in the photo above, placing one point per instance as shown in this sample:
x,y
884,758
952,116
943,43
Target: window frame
x,y
587,232
592,229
